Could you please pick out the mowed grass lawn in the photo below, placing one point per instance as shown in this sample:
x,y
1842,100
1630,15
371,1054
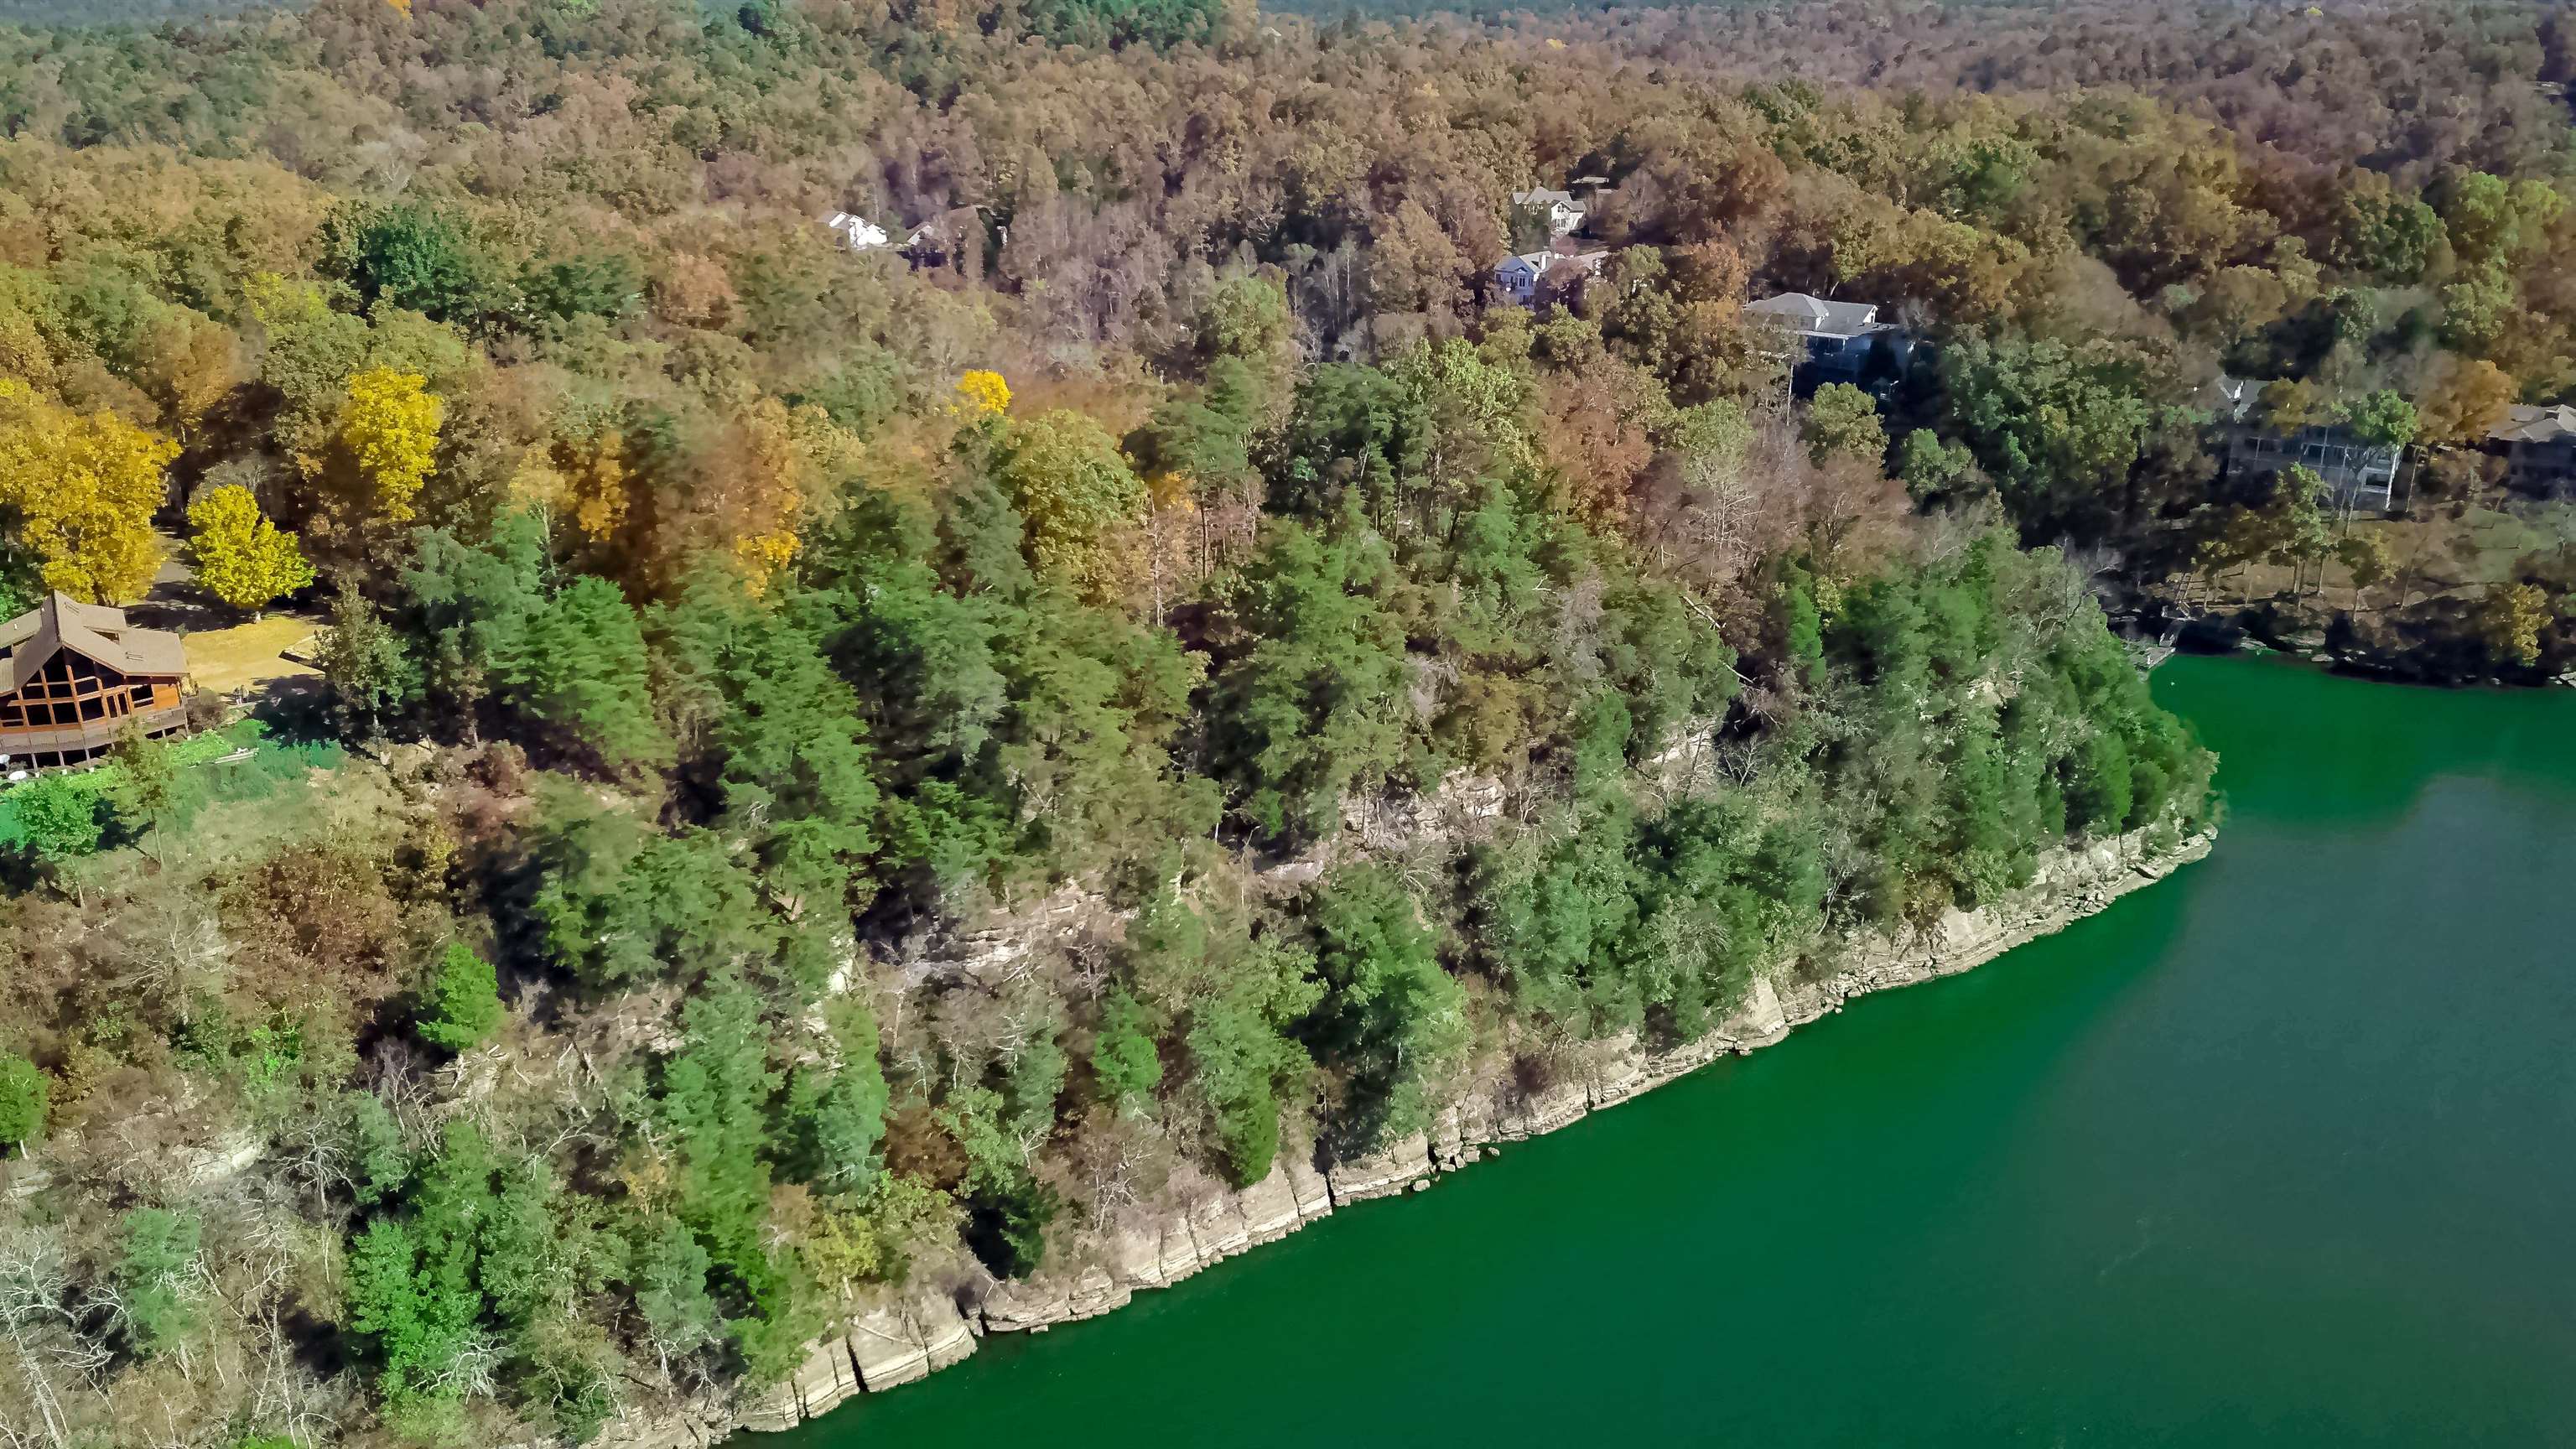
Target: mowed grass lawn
x,y
236,763
2435,554
223,660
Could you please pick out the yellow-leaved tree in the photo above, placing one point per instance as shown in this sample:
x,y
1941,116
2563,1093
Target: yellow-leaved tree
x,y
2512,621
80,489
760,481
580,480
981,392
389,435
242,558
594,471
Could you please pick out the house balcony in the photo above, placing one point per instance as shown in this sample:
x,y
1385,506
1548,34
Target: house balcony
x,y
90,735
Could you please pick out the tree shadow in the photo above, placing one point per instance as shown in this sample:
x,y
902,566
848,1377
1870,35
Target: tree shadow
x,y
296,710
116,829
23,869
179,609
175,602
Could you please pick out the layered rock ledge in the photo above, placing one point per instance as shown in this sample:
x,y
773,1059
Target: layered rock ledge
x,y
914,1334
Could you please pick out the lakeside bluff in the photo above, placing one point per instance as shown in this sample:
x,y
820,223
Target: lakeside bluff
x,y
929,1325
828,675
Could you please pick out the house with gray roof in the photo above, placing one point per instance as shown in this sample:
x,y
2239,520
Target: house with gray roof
x,y
2538,446
1839,338
1564,214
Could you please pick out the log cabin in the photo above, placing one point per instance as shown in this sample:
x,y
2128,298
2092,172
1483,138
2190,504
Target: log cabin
x,y
74,676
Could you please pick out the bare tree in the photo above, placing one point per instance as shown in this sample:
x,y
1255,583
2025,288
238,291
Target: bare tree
x,y
45,1346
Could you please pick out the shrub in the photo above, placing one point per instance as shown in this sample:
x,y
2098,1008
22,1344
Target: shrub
x,y
463,1002
22,1100
58,816
157,1278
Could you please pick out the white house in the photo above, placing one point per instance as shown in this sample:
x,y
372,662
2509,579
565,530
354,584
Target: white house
x,y
1516,279
2357,472
856,232
1563,216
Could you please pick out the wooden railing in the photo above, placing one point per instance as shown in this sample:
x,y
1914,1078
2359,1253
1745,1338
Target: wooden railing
x,y
89,734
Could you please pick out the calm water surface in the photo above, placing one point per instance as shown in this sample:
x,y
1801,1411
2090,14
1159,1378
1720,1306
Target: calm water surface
x,y
2275,1153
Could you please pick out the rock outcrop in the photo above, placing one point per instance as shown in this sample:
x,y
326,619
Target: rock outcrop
x,y
909,1337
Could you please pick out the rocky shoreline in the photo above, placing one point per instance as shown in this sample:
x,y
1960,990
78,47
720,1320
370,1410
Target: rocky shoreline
x,y
937,1324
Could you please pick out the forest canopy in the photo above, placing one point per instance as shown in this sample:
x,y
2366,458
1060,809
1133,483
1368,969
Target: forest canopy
x,y
936,629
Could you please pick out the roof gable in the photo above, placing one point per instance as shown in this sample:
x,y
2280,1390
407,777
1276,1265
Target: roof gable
x,y
856,232
99,634
2524,424
1815,314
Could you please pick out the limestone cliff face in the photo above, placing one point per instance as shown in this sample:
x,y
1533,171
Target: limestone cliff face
x,y
910,1335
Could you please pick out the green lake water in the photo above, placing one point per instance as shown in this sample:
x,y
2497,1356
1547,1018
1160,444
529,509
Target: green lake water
x,y
2274,1153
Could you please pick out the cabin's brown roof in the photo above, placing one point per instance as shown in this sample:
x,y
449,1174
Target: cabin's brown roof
x,y
99,633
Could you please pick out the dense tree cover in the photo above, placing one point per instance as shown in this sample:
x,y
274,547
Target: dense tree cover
x,y
2404,88
870,768
115,12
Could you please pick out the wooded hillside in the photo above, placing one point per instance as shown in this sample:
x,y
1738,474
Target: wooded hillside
x,y
835,766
